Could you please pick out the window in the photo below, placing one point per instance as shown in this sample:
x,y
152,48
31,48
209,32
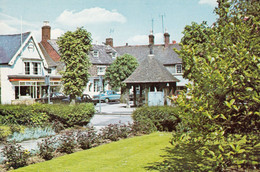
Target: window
x,y
95,53
27,68
49,71
96,83
101,70
179,68
36,68
114,55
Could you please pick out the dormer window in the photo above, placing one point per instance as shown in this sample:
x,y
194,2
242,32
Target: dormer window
x,y
114,55
95,53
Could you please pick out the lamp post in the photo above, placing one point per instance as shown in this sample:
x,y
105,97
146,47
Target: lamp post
x,y
100,88
47,82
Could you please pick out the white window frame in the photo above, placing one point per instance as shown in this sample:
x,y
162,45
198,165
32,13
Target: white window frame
x,y
101,70
178,68
27,68
95,53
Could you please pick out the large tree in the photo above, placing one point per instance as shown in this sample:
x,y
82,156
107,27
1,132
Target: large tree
x,y
119,70
221,122
74,47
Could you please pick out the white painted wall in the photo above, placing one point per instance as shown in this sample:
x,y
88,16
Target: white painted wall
x,y
18,68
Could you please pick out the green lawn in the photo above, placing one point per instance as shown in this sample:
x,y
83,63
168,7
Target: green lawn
x,y
131,154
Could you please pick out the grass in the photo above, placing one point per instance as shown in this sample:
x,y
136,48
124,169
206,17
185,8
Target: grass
x,y
133,154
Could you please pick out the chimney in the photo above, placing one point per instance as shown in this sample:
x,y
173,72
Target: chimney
x,y
46,31
109,41
166,39
151,39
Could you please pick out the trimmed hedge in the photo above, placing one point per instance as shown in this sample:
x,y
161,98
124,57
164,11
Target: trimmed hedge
x,y
45,114
157,118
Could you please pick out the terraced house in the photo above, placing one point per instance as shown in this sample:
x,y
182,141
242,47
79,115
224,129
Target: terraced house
x,y
23,67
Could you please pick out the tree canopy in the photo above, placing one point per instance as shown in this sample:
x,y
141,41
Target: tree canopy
x,y
74,47
223,63
121,69
220,123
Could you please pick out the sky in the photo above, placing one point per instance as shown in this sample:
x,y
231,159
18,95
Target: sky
x,y
126,21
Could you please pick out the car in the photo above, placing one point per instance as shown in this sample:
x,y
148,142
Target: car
x,y
85,98
55,97
108,96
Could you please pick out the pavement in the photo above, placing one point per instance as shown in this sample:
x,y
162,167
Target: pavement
x,y
114,108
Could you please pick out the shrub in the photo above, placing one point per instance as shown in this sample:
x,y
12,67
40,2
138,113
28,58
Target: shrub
x,y
15,156
47,148
67,142
71,115
45,114
87,138
4,132
115,132
157,118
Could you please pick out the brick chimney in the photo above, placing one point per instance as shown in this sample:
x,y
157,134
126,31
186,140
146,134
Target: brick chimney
x,y
166,39
109,41
46,31
151,39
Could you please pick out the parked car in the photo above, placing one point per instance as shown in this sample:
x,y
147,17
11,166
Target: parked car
x,y
108,96
85,98
55,97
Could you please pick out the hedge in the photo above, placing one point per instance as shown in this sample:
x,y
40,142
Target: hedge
x,y
44,114
157,118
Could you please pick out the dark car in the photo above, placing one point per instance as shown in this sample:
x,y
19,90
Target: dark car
x,y
55,97
85,98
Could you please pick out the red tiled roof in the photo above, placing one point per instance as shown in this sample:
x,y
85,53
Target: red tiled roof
x,y
51,51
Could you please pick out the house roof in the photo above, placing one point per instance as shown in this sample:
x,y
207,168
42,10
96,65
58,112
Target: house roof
x,y
166,55
150,70
104,57
49,60
9,45
51,49
104,51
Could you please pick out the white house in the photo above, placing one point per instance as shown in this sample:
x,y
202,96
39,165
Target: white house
x,y
23,67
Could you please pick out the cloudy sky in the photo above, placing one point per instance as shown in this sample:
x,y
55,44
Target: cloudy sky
x,y
126,21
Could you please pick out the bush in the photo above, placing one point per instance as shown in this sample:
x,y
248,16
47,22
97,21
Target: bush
x,y
4,132
87,138
115,132
71,115
67,142
157,118
45,114
15,156
47,148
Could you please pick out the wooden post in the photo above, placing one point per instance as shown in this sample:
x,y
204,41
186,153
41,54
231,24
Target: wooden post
x,y
127,97
134,96
141,96
146,94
